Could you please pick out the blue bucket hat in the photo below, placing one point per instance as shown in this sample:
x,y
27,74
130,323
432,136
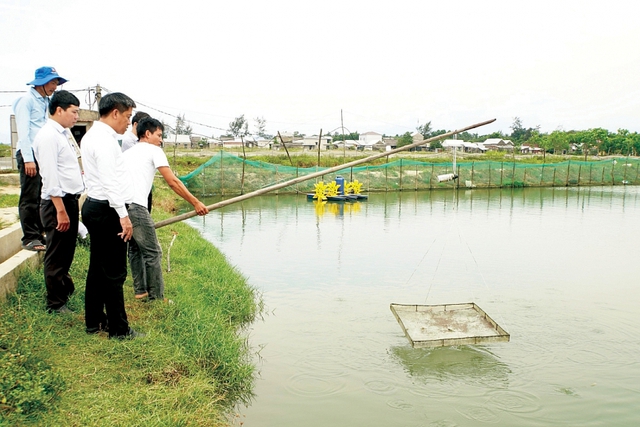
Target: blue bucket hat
x,y
44,75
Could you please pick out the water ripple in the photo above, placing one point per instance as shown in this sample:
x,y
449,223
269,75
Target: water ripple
x,y
400,404
481,414
514,401
380,386
315,386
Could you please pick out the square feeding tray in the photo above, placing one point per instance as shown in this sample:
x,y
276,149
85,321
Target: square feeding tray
x,y
447,324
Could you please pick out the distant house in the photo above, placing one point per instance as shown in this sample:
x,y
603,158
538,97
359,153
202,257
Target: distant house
x,y
311,142
349,144
387,144
182,141
231,143
418,137
464,146
368,139
497,144
526,149
261,142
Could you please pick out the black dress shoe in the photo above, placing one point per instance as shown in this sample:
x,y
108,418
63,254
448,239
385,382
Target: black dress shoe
x,y
130,335
102,327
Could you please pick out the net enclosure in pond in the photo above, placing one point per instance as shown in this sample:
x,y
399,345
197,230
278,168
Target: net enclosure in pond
x,y
447,324
226,174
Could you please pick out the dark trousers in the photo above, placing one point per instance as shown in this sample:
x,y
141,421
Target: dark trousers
x,y
29,203
107,269
61,246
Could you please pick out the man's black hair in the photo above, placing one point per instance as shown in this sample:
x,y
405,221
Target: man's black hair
x,y
62,99
139,116
115,101
148,124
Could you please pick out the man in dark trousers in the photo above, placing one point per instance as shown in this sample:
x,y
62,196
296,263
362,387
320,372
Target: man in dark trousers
x,y
57,155
31,112
105,214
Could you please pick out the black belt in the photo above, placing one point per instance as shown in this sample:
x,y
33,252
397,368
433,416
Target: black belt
x,y
72,196
102,202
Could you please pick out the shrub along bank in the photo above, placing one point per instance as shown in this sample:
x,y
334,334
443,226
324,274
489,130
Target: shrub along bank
x,y
190,369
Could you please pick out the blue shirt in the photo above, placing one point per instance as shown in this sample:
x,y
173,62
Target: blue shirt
x,y
31,114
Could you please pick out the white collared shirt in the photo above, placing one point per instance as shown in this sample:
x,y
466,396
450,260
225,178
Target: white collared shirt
x,y
58,161
129,139
142,162
104,170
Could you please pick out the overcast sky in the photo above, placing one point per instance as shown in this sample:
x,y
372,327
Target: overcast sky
x,y
388,66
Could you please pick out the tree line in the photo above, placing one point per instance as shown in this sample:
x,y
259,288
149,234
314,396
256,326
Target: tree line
x,y
587,142
590,141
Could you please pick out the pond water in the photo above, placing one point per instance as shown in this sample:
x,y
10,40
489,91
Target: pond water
x,y
557,268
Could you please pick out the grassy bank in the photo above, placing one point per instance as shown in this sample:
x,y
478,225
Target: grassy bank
x,y
191,368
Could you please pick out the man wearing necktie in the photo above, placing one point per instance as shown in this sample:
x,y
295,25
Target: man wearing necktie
x,y
62,184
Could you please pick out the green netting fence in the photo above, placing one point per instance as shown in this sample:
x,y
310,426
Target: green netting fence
x,y
227,174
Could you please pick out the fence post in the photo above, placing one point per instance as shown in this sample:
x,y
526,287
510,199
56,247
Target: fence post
x,y
431,176
221,176
472,166
579,173
613,165
204,179
566,181
386,176
400,174
501,173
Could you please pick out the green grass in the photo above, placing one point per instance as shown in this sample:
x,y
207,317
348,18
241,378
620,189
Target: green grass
x,y
9,200
192,367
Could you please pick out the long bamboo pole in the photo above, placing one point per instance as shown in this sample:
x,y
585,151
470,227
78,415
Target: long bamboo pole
x,y
297,180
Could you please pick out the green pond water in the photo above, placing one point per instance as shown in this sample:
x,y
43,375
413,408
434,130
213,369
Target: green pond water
x,y
557,268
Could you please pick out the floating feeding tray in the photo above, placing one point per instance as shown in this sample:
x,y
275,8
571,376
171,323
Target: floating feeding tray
x,y
447,324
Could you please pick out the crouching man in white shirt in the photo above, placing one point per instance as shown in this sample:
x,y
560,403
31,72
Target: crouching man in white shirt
x,y
145,254
57,155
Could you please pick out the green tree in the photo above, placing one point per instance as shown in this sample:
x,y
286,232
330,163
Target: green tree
x,y
239,127
261,126
351,136
557,141
520,134
425,130
405,139
182,126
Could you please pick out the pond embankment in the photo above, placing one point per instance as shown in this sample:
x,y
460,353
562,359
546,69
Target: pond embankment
x,y
190,369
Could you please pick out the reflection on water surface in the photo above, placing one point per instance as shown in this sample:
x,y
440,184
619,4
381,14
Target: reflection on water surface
x,y
557,268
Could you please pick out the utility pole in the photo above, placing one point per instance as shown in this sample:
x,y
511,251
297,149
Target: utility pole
x,y
98,94
344,141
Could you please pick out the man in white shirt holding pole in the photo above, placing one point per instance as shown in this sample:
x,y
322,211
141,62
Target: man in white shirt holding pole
x,y
145,254
57,156
105,215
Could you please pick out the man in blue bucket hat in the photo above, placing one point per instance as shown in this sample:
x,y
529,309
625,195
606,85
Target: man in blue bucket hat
x,y
31,114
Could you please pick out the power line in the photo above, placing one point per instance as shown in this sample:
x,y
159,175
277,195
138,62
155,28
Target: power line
x,y
175,116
